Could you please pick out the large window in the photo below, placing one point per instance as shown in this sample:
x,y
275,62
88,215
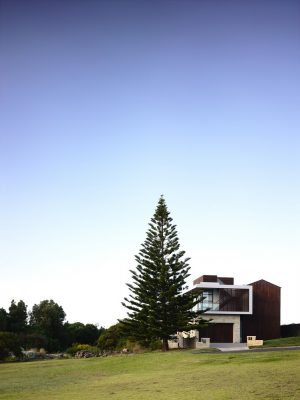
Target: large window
x,y
234,300
224,300
207,300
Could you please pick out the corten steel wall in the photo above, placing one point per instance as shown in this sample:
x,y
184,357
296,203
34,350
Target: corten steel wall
x,y
264,323
214,279
206,278
226,280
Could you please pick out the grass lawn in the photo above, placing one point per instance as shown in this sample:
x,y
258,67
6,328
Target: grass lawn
x,y
160,376
289,341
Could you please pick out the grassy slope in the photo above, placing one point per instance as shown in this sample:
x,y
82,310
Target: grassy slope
x,y
174,375
289,341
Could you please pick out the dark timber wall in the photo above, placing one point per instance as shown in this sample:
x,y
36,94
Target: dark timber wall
x,y
264,323
218,333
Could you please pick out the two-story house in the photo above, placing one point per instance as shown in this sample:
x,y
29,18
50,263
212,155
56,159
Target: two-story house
x,y
238,311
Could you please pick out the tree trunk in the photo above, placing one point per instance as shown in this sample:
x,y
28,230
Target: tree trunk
x,y
165,344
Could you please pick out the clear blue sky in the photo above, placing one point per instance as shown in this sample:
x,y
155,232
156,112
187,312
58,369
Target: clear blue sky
x,y
105,105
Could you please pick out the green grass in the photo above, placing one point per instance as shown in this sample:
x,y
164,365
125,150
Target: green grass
x,y
176,375
289,341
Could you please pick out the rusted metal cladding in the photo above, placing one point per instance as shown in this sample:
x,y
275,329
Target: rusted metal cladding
x,y
214,279
226,280
206,278
264,323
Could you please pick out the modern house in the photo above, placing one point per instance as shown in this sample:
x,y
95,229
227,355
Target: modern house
x,y
238,311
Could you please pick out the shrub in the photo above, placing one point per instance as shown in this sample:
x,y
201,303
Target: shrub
x,y
80,347
34,340
112,338
9,345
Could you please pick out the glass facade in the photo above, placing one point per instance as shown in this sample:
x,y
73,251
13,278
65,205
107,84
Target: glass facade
x,y
224,300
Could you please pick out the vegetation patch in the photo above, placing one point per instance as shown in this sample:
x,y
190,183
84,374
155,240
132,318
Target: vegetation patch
x,y
283,342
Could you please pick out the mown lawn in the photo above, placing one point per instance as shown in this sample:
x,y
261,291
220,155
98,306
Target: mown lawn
x,y
289,341
159,376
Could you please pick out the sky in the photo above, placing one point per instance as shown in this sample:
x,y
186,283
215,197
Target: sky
x,y
106,105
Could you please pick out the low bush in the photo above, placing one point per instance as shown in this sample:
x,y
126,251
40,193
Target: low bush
x,y
82,347
9,346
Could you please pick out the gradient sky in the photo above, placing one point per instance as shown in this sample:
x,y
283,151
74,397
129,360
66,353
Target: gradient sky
x,y
105,105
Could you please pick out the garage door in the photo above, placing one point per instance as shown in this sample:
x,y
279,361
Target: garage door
x,y
218,333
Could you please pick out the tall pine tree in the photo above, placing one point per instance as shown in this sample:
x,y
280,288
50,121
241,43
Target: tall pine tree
x,y
158,306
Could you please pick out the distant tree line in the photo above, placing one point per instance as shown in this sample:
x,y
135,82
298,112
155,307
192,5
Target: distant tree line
x,y
45,327
42,327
